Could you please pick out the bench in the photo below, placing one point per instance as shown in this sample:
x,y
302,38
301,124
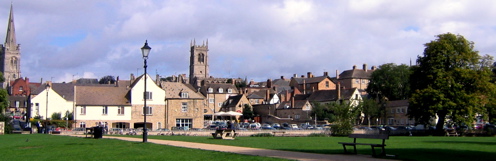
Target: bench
x,y
367,136
451,132
224,134
281,132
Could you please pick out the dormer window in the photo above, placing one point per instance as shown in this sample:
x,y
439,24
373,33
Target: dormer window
x,y
184,95
229,90
221,90
210,90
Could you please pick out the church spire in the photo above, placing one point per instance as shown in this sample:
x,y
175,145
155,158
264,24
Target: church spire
x,y
10,40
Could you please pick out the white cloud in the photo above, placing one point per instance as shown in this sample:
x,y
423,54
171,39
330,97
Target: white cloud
x,y
257,39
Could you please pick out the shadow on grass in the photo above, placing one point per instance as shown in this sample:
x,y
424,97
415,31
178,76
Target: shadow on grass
x,y
418,154
462,142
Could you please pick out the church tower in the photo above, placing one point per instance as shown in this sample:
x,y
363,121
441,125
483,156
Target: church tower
x,y
198,66
10,55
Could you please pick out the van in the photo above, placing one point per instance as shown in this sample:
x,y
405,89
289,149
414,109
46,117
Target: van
x,y
294,126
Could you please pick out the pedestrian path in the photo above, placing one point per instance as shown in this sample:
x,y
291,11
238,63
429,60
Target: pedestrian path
x,y
255,151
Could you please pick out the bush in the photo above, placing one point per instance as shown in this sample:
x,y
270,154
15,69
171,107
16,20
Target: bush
x,y
262,135
342,129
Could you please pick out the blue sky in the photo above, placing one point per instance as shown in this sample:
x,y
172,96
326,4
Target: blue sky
x,y
257,39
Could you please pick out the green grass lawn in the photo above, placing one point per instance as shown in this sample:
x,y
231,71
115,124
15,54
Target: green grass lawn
x,y
57,147
405,147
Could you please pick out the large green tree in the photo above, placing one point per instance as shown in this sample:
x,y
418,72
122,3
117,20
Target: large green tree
x,y
390,81
450,80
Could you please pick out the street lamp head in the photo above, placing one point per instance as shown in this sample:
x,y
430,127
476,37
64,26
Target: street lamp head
x,y
145,50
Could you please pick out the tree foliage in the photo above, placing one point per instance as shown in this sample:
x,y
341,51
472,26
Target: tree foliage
x,y
345,118
371,109
4,96
323,112
107,80
390,81
247,112
450,80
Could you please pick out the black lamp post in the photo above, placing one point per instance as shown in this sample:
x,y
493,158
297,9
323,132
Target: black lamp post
x,y
145,50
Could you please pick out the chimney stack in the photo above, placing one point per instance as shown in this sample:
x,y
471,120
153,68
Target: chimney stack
x,y
282,77
338,89
309,75
269,83
304,86
326,74
365,67
292,99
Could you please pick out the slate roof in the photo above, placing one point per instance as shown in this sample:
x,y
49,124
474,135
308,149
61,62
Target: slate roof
x,y
101,95
173,90
311,80
65,90
232,101
331,95
298,104
356,73
397,103
215,87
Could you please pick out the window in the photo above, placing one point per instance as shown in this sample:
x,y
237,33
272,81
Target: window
x,y
184,95
229,90
82,124
210,100
402,110
105,110
148,110
220,104
120,110
83,110
390,121
184,123
257,101
17,103
221,90
398,110
392,110
20,88
210,90
363,81
327,84
184,107
297,117
357,81
148,95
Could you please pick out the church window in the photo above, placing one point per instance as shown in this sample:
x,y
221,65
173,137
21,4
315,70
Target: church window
x,y
201,58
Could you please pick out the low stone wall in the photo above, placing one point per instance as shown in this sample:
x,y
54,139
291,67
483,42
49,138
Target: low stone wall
x,y
293,133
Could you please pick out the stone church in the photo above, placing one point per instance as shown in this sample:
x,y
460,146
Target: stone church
x,y
10,54
199,68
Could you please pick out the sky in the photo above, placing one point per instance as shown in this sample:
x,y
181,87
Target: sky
x,y
255,39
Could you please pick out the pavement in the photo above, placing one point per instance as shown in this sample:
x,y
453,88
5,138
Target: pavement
x,y
254,151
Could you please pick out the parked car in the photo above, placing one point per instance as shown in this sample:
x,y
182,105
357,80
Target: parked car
x,y
255,126
116,131
276,126
267,127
